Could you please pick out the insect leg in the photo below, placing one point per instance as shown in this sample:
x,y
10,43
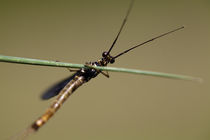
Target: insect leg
x,y
72,70
90,66
105,73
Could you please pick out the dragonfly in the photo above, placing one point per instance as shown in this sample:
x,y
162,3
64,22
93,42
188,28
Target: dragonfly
x,y
66,87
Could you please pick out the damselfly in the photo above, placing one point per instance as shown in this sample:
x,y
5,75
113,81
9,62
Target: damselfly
x,y
66,87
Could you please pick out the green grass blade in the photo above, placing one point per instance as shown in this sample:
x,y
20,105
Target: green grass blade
x,y
20,60
149,73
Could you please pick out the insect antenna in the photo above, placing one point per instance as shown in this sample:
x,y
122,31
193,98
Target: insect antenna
x,y
150,40
124,21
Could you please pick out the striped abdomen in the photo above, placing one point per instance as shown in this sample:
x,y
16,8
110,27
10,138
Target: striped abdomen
x,y
62,96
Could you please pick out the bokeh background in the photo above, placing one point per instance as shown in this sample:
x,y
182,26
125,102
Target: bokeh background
x,y
124,106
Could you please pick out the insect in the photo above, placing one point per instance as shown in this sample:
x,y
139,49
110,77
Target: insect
x,y
66,87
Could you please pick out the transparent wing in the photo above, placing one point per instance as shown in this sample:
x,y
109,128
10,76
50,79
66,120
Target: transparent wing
x,y
56,88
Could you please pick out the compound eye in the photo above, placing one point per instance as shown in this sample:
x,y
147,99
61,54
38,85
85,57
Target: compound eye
x,y
104,54
112,61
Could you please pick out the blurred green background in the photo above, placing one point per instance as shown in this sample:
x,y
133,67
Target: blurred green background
x,y
124,106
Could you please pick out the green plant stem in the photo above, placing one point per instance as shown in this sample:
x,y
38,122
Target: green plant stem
x,y
20,60
30,61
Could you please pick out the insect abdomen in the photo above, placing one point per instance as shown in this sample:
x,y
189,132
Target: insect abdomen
x,y
62,96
